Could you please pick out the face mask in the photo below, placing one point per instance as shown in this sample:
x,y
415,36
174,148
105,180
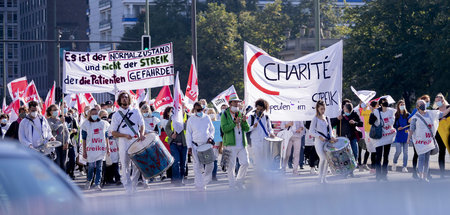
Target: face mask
x,y
86,113
439,103
234,109
22,115
402,107
4,121
33,114
199,114
109,110
94,117
203,106
55,113
422,107
347,114
223,110
384,104
427,104
211,116
363,105
145,114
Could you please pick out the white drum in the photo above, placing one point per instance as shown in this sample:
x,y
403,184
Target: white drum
x,y
206,154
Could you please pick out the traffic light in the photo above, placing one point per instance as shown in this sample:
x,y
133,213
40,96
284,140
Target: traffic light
x,y
145,42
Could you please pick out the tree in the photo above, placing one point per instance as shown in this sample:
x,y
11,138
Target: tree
x,y
399,48
218,51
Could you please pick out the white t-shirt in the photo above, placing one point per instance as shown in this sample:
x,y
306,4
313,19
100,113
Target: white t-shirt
x,y
121,126
422,138
95,140
389,131
150,123
238,135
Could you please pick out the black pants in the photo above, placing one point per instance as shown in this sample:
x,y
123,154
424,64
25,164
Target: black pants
x,y
366,156
441,153
382,151
373,159
111,173
70,166
414,160
61,157
311,155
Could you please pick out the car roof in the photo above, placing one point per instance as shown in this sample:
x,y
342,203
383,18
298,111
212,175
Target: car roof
x,y
13,148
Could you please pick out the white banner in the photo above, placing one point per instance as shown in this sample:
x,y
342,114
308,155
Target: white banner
x,y
100,72
222,98
292,88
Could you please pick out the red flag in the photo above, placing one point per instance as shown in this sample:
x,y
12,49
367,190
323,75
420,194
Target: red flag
x,y
31,93
90,99
4,105
13,110
81,102
163,99
192,86
71,100
50,99
17,87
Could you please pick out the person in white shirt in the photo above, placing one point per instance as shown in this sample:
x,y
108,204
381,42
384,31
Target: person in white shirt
x,y
4,124
199,131
321,129
95,146
34,130
126,135
151,122
297,129
260,128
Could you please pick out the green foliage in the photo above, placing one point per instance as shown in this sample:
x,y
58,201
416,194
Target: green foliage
x,y
398,48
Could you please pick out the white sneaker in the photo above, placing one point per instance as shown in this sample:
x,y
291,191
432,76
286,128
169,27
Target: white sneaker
x,y
87,186
313,171
98,188
394,167
405,170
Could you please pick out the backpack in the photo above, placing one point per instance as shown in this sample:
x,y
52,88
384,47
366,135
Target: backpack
x,y
376,132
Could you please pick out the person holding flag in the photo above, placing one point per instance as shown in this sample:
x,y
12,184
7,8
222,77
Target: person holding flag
x,y
234,126
127,125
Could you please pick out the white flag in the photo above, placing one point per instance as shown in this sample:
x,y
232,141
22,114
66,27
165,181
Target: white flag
x,y
177,117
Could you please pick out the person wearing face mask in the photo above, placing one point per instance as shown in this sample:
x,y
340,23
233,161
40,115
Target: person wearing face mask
x,y
94,135
441,104
127,133
13,130
72,125
34,130
4,124
385,116
425,98
347,127
401,125
84,116
109,109
199,131
151,122
364,112
204,105
423,128
234,126
111,173
60,132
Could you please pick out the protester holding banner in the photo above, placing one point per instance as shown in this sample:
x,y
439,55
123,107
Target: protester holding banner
x,y
13,130
4,125
401,125
34,130
441,104
60,132
234,127
127,125
383,116
178,148
423,128
200,131
323,132
94,134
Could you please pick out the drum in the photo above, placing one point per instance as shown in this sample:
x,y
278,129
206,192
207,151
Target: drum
x,y
150,156
206,154
226,154
340,156
53,144
272,152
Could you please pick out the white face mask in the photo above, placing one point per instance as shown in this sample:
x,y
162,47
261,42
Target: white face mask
x,y
234,109
212,116
33,114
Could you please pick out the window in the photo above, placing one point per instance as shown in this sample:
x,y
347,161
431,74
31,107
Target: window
x,y
12,18
12,50
12,32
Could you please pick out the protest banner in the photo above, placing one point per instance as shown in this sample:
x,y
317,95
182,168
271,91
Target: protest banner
x,y
100,72
222,98
293,88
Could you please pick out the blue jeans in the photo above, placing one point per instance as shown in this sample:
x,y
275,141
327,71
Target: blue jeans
x,y
398,150
98,171
424,163
179,153
214,173
354,145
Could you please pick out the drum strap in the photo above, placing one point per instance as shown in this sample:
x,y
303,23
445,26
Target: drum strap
x,y
127,121
328,130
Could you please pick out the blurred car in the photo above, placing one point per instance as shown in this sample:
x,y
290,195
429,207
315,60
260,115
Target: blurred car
x,y
31,183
